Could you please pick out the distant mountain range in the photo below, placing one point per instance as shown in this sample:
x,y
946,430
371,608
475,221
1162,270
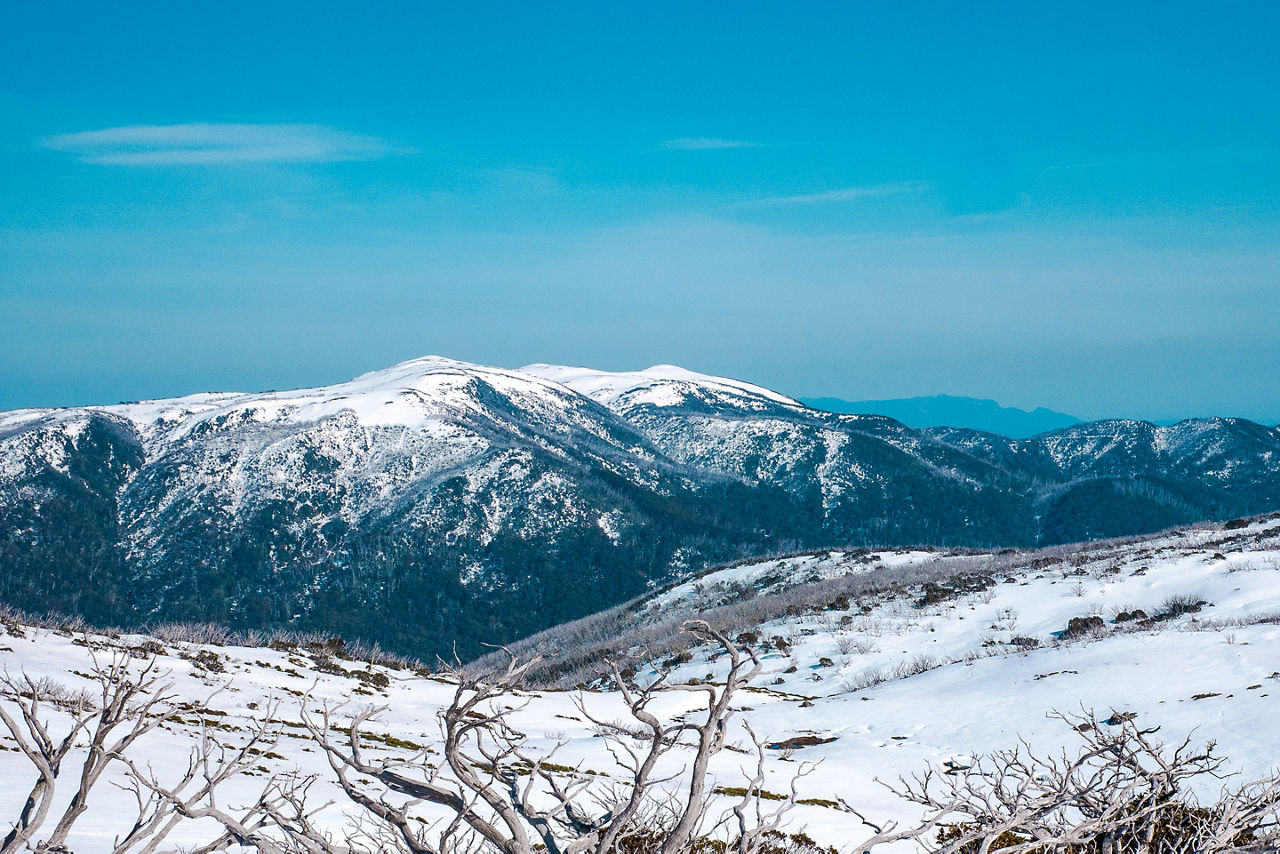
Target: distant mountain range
x,y
437,504
946,410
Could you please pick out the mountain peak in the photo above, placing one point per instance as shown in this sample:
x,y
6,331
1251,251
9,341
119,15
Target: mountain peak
x,y
656,385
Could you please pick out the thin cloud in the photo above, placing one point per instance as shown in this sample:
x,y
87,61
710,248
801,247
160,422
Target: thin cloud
x,y
849,194
702,143
209,144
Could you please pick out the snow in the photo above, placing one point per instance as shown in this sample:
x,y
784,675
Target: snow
x,y
608,524
659,385
983,694
44,445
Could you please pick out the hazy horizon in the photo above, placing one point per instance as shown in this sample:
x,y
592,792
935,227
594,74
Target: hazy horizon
x,y
1073,209
809,400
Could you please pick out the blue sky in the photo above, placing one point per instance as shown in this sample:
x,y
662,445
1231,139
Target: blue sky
x,y
1070,206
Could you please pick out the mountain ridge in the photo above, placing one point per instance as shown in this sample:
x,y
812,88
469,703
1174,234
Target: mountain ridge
x,y
947,410
437,502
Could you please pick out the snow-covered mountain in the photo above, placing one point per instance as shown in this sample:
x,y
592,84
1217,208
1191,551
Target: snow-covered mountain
x,y
434,485
440,502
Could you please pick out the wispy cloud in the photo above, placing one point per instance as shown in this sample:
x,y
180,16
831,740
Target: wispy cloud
x,y
702,143
849,194
208,144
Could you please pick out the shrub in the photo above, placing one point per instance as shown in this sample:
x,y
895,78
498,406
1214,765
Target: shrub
x,y
206,659
1079,627
1176,606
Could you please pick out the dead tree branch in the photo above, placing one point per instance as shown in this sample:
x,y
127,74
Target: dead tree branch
x,y
1124,792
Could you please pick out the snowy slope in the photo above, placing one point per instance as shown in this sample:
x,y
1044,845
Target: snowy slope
x,y
1211,673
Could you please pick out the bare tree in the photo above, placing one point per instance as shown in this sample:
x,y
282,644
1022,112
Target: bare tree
x,y
1125,792
131,701
134,697
498,795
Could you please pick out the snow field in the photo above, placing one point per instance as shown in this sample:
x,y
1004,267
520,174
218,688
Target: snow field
x,y
896,683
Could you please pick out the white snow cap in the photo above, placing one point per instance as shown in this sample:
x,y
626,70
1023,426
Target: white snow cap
x,y
659,385
419,391
410,394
